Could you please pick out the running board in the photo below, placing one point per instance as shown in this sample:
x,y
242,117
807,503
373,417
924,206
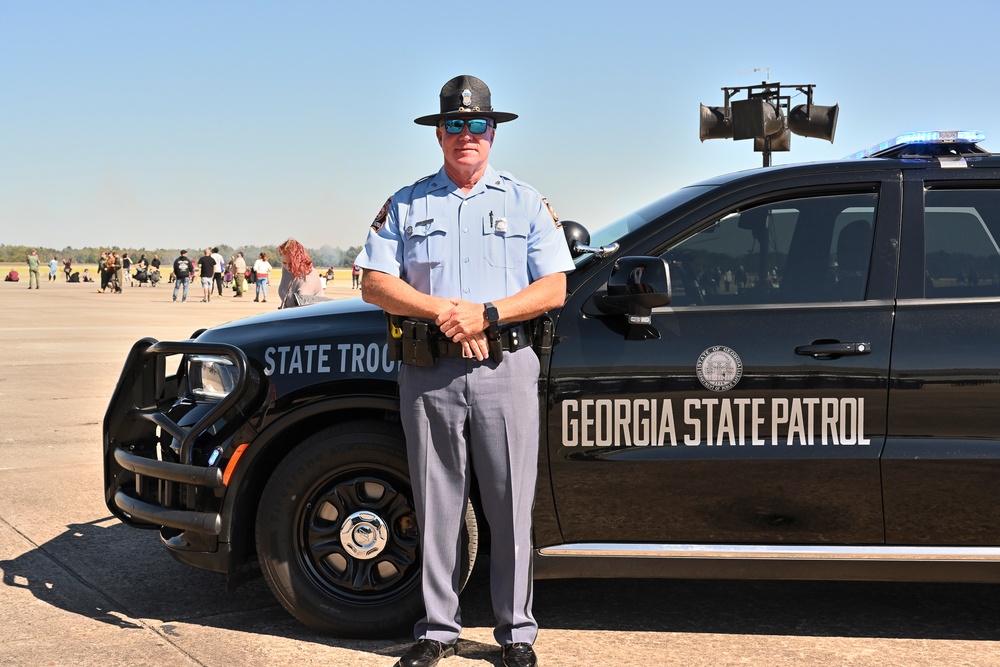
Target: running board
x,y
756,561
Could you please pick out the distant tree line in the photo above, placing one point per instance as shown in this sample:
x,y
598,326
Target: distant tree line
x,y
324,256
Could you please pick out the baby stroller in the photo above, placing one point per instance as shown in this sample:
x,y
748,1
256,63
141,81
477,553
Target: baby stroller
x,y
227,279
141,277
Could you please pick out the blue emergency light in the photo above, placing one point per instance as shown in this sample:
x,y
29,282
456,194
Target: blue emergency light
x,y
938,137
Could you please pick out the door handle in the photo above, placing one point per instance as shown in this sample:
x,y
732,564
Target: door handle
x,y
833,350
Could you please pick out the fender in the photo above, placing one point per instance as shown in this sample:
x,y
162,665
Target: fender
x,y
239,508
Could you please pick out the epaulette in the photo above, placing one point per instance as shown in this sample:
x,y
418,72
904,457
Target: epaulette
x,y
507,176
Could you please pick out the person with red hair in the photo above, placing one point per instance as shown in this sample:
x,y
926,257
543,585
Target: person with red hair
x,y
298,276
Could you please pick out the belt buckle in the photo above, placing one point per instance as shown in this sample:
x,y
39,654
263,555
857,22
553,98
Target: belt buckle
x,y
467,352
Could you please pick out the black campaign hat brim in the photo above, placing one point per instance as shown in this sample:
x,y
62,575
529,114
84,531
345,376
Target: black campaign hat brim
x,y
496,116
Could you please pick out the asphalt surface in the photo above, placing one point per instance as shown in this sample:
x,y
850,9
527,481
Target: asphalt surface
x,y
79,588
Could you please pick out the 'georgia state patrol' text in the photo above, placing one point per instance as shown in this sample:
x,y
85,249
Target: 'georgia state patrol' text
x,y
645,422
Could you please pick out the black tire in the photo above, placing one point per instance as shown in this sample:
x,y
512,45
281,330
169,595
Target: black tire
x,y
357,577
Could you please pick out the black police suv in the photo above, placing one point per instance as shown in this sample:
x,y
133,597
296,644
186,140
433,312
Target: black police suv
x,y
787,373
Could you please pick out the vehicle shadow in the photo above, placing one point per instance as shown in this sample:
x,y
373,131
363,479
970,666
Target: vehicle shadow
x,y
883,610
108,572
795,608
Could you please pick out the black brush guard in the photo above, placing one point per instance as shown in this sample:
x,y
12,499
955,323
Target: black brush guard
x,y
134,473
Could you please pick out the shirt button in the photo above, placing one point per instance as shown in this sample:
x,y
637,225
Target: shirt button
x,y
465,230
466,290
466,260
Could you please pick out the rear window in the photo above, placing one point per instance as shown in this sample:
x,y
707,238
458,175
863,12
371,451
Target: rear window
x,y
961,253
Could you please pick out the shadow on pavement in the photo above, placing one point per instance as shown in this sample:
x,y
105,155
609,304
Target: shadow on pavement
x,y
794,608
111,573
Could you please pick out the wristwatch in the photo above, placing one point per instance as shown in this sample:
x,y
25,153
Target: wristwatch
x,y
491,315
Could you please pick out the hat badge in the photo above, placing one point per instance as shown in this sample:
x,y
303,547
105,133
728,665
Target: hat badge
x,y
466,97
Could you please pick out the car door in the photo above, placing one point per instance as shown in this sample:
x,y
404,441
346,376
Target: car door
x,y
942,456
753,407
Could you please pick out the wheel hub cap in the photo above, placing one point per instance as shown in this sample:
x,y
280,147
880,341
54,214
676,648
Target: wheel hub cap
x,y
364,535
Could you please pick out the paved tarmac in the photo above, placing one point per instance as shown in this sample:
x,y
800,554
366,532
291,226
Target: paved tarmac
x,y
79,588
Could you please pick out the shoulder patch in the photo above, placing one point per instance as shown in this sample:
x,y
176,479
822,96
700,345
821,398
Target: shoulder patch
x,y
382,215
552,212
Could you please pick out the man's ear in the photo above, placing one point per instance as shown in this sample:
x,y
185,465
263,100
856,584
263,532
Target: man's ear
x,y
440,135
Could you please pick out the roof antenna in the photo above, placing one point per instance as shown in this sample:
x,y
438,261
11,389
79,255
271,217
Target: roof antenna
x,y
765,70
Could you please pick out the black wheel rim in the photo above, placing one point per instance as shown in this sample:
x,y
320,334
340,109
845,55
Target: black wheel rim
x,y
336,571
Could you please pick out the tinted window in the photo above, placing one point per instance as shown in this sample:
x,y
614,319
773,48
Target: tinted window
x,y
812,249
961,254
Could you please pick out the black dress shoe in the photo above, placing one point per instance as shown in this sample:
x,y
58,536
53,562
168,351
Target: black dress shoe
x,y
519,655
426,653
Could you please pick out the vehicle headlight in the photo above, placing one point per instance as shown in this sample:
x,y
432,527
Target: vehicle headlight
x,y
211,377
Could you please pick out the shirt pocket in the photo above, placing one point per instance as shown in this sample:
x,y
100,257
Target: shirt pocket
x,y
506,242
426,241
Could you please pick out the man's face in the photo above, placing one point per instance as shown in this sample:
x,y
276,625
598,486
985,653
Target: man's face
x,y
466,150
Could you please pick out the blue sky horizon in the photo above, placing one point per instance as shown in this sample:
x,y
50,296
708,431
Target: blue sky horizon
x,y
169,124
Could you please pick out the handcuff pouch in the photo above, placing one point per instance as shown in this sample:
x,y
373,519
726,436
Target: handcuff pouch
x,y
417,343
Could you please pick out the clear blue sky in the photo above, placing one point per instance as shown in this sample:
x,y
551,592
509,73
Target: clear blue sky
x,y
192,123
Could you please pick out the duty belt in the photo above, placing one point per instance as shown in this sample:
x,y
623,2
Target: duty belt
x,y
512,339
419,342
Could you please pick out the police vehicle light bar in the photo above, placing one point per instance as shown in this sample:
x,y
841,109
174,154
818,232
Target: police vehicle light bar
x,y
933,137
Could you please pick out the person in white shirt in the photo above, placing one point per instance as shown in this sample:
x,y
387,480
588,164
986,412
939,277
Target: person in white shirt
x,y
262,269
220,268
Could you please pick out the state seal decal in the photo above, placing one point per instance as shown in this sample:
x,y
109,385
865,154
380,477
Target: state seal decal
x,y
719,368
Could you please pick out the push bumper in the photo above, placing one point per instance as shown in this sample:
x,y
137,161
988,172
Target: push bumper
x,y
164,452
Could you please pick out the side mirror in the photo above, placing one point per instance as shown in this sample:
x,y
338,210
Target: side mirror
x,y
638,285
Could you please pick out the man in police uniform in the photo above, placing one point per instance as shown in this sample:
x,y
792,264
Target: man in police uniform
x,y
475,253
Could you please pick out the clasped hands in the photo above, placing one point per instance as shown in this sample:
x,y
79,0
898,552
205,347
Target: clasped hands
x,y
463,322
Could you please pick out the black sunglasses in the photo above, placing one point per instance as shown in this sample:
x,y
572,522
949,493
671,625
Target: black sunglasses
x,y
476,125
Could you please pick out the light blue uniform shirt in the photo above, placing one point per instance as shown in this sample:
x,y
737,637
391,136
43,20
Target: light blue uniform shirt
x,y
482,246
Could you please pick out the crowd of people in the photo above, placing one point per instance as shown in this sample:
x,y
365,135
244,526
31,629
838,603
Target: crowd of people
x,y
216,274
300,282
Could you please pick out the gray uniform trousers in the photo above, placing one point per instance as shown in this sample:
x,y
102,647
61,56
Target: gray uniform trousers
x,y
462,415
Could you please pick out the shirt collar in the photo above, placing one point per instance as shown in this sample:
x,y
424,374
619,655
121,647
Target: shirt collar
x,y
490,180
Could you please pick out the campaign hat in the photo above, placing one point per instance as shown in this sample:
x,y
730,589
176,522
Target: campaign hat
x,y
465,95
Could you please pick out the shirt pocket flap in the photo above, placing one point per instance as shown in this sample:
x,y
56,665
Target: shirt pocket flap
x,y
425,228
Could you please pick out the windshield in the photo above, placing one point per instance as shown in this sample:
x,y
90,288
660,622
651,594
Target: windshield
x,y
633,221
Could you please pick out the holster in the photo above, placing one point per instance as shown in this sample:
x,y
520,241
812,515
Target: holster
x,y
496,345
543,340
394,336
